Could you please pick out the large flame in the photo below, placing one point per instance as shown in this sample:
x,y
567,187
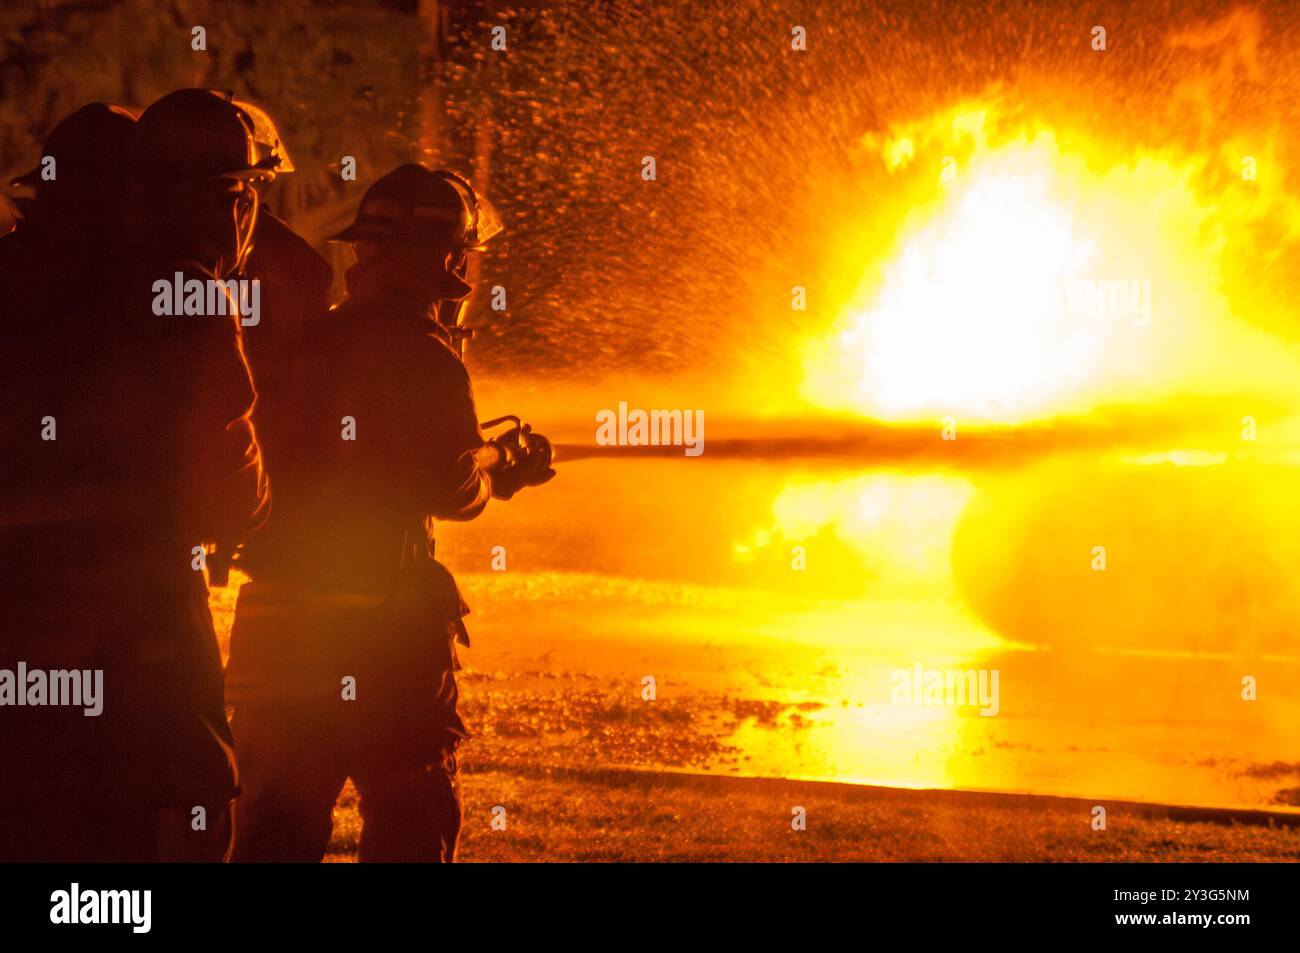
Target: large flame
x,y
1044,276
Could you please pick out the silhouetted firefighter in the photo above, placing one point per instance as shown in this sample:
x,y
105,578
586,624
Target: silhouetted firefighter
x,y
132,448
343,649
294,282
79,185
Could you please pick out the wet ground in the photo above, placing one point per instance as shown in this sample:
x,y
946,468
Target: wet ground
x,y
681,572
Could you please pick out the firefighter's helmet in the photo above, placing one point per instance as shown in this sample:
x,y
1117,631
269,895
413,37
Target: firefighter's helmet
x,y
413,203
89,149
195,134
266,137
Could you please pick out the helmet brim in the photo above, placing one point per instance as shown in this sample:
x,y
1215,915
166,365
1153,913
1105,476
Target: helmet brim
x,y
262,171
380,232
356,232
28,180
249,175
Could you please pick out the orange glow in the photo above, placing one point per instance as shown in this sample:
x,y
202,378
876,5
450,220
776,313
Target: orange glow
x,y
1045,275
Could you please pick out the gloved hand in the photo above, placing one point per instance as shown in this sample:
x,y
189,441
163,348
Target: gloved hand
x,y
528,458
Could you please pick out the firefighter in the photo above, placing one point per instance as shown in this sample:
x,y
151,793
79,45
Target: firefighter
x,y
343,650
132,450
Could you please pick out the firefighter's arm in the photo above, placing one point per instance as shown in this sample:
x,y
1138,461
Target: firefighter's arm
x,y
453,483
465,469
516,459
231,494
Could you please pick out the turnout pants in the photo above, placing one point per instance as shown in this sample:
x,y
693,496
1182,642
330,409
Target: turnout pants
x,y
323,692
146,772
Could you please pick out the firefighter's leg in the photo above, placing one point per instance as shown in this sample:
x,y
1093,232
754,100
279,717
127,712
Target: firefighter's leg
x,y
411,813
402,749
290,774
55,830
199,834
